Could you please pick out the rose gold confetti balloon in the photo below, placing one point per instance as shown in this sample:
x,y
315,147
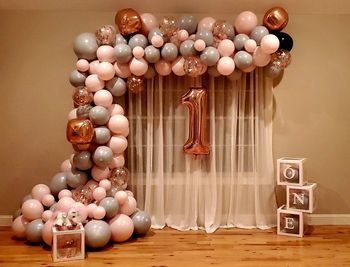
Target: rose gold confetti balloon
x,y
82,96
222,30
128,21
80,131
282,58
105,35
193,66
135,83
119,178
83,194
276,18
168,26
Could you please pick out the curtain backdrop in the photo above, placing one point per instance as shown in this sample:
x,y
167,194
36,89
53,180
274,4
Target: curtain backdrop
x,y
231,187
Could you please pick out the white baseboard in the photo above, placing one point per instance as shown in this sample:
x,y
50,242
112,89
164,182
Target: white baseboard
x,y
313,219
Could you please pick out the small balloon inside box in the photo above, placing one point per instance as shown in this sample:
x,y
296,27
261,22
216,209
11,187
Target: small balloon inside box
x,y
68,245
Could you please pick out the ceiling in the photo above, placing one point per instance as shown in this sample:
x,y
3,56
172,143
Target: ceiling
x,y
183,6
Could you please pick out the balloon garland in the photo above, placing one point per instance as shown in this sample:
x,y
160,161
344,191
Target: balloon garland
x,y
93,181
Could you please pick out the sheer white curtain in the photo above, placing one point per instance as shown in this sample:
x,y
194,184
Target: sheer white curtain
x,y
231,187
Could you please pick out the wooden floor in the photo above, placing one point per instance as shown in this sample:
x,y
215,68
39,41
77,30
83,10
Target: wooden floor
x,y
325,246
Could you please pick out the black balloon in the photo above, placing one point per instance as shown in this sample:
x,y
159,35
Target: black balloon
x,y
286,42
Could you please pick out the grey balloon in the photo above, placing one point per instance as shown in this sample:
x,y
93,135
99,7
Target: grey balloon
x,y
54,207
153,32
83,111
58,183
119,39
152,54
111,192
272,71
258,33
97,233
243,59
142,222
76,178
99,115
240,40
206,36
82,160
230,31
187,22
169,52
138,40
187,48
77,78
117,86
33,231
102,156
85,46
110,205
26,197
235,75
102,135
122,53
210,56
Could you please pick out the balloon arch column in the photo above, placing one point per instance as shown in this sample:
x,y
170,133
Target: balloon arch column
x,y
93,182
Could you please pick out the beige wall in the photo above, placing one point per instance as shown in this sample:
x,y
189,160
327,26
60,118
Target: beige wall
x,y
312,117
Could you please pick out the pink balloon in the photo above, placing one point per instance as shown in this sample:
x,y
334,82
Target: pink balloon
x,y
92,184
32,209
39,191
90,209
94,83
199,45
250,68
138,67
66,165
99,193
99,173
129,207
269,43
250,45
118,144
246,22
64,204
122,70
226,66
122,228
121,197
182,35
149,21
72,114
93,66
163,67
138,53
178,66
117,162
157,41
105,71
103,98
106,184
81,209
105,53
125,133
226,48
99,212
64,193
47,232
19,227
116,109
260,58
82,65
48,200
206,23
47,214
118,124
130,194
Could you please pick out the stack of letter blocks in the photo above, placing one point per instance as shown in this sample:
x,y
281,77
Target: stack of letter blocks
x,y
291,218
